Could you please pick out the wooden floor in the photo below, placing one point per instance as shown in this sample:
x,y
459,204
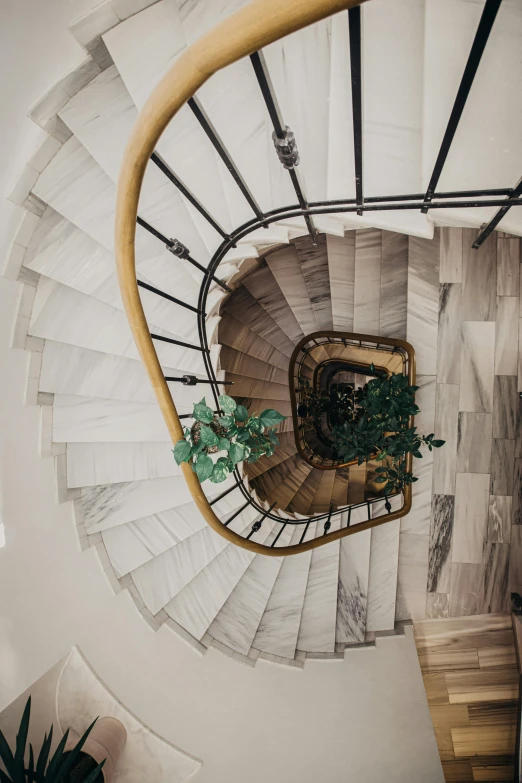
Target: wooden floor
x,y
471,678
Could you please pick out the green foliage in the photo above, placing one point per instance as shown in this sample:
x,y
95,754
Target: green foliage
x,y
58,768
240,436
376,426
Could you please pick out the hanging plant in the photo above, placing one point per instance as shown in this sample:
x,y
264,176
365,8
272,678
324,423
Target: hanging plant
x,y
236,435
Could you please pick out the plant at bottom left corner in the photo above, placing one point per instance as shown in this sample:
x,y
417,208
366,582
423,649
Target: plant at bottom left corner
x,y
63,766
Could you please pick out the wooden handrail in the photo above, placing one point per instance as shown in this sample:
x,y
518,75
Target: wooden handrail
x,y
256,25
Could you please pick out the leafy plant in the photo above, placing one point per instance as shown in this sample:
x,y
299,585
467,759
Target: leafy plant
x,y
240,436
337,402
61,767
376,426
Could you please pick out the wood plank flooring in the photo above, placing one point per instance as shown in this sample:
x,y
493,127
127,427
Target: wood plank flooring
x,y
471,679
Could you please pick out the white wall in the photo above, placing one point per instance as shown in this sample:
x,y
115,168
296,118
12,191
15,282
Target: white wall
x,y
362,719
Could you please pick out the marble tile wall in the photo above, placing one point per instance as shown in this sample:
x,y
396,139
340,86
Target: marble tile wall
x,y
473,553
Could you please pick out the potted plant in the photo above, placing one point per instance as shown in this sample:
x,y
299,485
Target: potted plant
x,y
235,434
377,427
86,759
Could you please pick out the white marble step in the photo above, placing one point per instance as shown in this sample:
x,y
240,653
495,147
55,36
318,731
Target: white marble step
x,y
237,622
66,316
162,578
62,252
279,626
132,545
318,619
195,607
286,269
143,48
382,578
485,152
92,420
68,369
352,591
90,464
341,271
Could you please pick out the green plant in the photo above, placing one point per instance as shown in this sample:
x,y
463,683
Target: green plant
x,y
240,436
378,428
62,767
337,402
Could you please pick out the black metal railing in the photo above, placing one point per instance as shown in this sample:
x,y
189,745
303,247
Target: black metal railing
x,y
287,151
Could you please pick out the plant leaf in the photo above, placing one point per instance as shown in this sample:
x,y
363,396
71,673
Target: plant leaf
x,y
236,453
21,738
7,757
241,413
204,467
226,421
94,774
44,754
202,412
437,443
242,436
223,444
182,451
207,436
219,472
271,417
226,403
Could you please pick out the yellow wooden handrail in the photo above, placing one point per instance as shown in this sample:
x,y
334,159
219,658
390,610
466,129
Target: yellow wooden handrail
x,y
256,25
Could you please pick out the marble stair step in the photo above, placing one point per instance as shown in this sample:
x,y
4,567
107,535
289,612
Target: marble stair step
x,y
60,251
159,580
243,340
92,420
132,545
248,387
90,464
196,606
237,622
143,48
256,405
70,370
246,366
340,487
352,592
246,309
485,152
281,483
282,453
341,271
319,616
323,494
302,502
263,286
384,565
314,266
64,315
286,269
279,626
101,117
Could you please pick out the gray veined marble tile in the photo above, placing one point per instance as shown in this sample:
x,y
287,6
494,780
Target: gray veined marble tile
x,y
437,605
496,578
499,521
318,619
263,287
412,577
352,590
502,466
441,533
471,517
448,351
508,267
368,257
517,492
479,278
477,370
423,301
474,442
466,589
506,336
450,255
505,407
394,285
279,626
90,464
341,268
314,265
446,423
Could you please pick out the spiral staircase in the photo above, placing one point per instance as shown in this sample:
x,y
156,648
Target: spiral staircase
x,y
266,288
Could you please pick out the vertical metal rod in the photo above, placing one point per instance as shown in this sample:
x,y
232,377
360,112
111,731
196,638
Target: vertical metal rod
x,y
304,532
236,513
484,28
354,25
225,493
